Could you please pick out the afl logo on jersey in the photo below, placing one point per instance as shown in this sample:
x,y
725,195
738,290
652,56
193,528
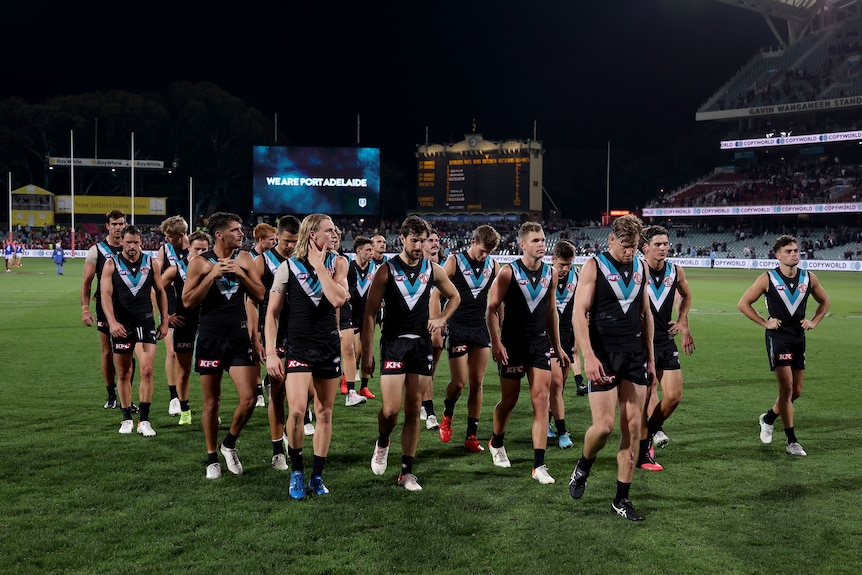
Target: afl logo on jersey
x,y
400,278
302,276
523,281
613,277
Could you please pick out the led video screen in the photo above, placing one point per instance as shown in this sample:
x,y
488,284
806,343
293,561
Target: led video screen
x,y
305,180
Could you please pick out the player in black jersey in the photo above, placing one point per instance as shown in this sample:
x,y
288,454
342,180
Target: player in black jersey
x,y
185,321
348,349
265,238
786,290
97,255
404,285
667,289
564,298
313,280
217,281
174,251
521,342
360,274
265,268
613,328
472,272
431,252
128,281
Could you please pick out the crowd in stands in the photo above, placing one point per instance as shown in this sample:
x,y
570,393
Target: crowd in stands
x,y
792,182
693,238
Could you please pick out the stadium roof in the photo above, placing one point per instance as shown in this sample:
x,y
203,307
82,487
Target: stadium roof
x,y
801,16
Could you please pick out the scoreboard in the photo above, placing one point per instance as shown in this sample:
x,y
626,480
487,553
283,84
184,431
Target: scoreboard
x,y
483,180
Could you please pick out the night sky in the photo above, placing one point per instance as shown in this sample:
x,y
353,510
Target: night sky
x,y
629,71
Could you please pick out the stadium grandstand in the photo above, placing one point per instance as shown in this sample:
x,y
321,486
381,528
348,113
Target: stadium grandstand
x,y
791,159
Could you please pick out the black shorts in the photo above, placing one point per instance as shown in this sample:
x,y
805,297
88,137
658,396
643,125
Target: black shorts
x,y
101,320
184,337
462,339
619,365
400,355
323,361
215,356
785,350
524,355
666,356
143,333
567,341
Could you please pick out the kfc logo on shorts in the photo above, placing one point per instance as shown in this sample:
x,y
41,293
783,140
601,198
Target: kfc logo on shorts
x,y
209,363
424,278
122,346
785,357
613,277
294,363
668,282
392,365
637,277
184,346
459,349
516,369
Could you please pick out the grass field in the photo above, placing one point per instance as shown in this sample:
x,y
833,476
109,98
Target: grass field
x,y
77,497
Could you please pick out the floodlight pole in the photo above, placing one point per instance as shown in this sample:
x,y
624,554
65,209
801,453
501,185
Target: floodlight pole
x,y
10,205
133,179
191,203
72,184
608,185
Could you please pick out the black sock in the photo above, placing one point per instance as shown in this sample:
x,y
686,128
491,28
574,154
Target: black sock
x,y
144,410
295,458
770,417
449,407
229,440
351,385
172,389
585,464
428,404
127,413
317,466
277,447
644,448
791,435
472,426
112,391
560,424
538,458
383,441
260,389
212,458
622,491
579,379
184,405
406,464
497,440
364,383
